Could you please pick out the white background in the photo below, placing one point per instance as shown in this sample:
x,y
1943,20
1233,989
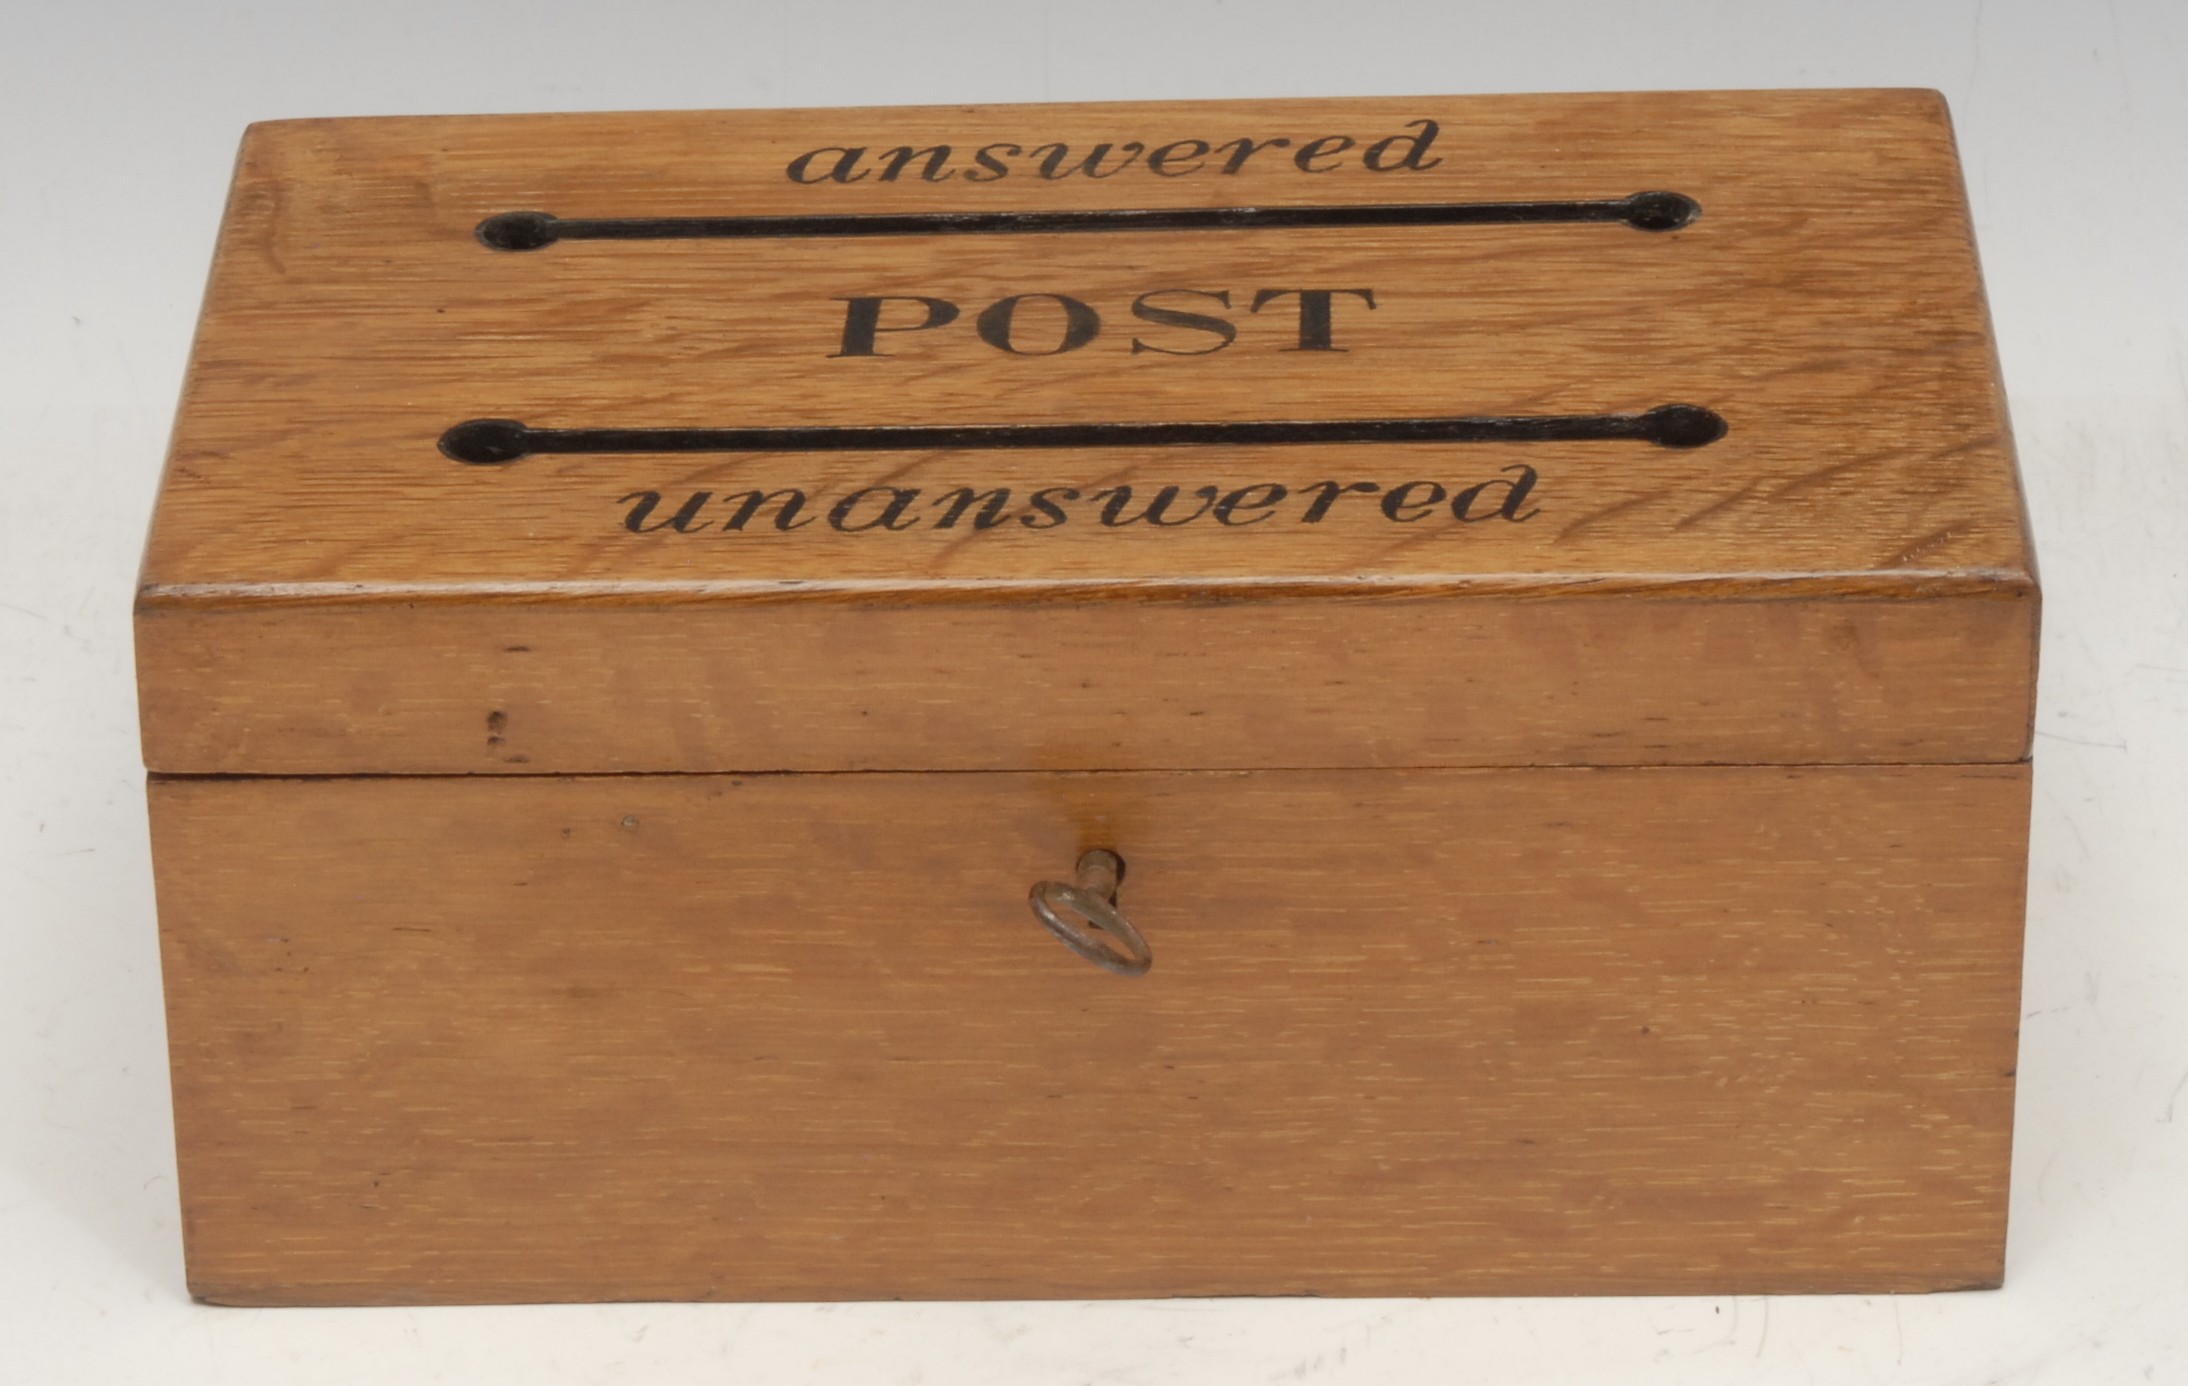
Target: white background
x,y
117,127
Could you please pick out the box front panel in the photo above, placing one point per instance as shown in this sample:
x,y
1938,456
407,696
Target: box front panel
x,y
1422,1032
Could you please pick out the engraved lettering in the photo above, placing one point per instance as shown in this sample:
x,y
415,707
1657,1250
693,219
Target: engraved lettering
x,y
643,504
1377,155
867,317
1159,162
1157,511
974,510
989,167
1400,499
1331,490
1045,513
1406,151
1314,313
1054,165
1515,496
964,498
862,321
900,500
937,157
1244,149
1081,324
1333,146
846,160
751,502
1246,498
1221,329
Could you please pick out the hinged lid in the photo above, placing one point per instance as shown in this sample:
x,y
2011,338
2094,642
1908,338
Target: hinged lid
x,y
1438,431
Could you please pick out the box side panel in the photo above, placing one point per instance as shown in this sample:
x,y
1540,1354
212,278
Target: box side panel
x,y
1433,1032
1120,685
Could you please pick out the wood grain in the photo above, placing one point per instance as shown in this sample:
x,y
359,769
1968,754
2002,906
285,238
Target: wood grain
x,y
1211,682
1826,302
1508,1031
1617,889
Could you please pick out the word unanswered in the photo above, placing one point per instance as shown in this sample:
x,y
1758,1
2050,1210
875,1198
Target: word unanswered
x,y
896,509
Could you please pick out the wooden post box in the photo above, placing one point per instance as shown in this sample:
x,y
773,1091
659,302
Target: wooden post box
x,y
1387,697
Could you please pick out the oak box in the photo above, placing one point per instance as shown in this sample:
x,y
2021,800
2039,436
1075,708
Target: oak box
x,y
1392,697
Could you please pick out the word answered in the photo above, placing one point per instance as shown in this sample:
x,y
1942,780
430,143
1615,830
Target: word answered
x,y
1406,152
895,509
1062,323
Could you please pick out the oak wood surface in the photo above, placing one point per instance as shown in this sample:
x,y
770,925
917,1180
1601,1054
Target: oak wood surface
x,y
456,1016
1826,302
1303,681
1501,1031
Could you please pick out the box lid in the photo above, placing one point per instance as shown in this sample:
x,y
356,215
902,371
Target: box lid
x,y
1621,429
